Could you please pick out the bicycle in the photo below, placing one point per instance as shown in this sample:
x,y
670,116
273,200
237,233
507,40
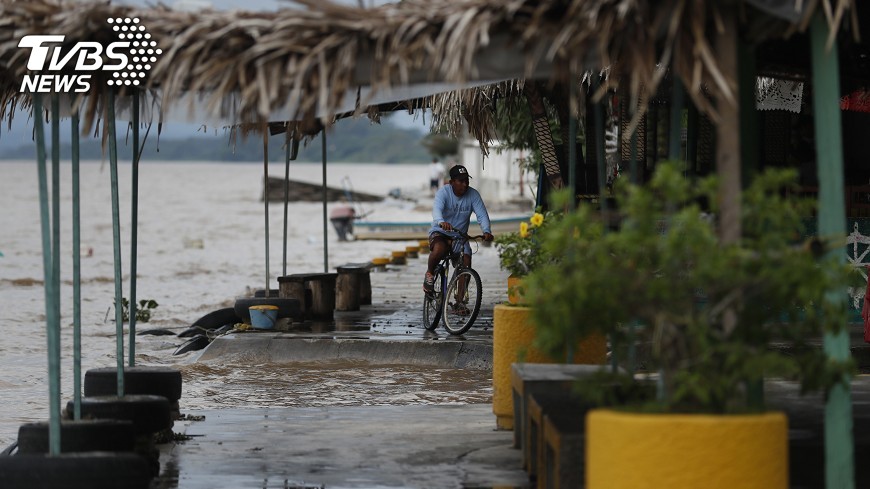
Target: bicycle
x,y
464,288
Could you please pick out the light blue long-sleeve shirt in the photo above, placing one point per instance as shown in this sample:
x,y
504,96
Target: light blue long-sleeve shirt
x,y
448,207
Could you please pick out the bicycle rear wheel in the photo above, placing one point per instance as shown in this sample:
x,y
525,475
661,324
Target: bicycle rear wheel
x,y
432,303
462,302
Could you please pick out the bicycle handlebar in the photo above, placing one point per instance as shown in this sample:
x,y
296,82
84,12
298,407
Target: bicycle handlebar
x,y
454,234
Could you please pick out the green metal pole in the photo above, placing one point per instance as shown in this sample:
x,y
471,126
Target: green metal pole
x,y
116,237
286,196
692,130
54,349
749,133
134,228
55,196
266,198
77,268
632,165
839,463
748,159
572,144
676,130
598,114
51,318
325,242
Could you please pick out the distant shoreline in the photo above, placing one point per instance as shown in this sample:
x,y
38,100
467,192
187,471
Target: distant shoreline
x,y
346,143
144,161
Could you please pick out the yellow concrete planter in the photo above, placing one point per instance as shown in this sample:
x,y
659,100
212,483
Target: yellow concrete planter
x,y
686,451
513,333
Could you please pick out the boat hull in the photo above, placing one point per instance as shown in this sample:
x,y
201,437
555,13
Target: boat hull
x,y
407,231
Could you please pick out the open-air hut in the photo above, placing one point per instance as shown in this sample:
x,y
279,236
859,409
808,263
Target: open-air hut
x,y
297,69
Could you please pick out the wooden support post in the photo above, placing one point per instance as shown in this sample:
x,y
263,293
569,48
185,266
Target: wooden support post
x,y
322,289
347,288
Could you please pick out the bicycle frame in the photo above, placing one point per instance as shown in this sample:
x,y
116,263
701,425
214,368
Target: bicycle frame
x,y
454,284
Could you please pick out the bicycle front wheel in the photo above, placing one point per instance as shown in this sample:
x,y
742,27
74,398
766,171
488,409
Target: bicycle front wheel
x,y
462,302
432,303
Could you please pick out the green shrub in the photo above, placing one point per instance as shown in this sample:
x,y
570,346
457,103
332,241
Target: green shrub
x,y
716,317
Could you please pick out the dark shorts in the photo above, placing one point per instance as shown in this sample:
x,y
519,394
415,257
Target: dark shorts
x,y
435,236
434,183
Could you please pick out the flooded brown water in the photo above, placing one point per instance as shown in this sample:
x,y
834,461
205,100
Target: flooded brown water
x,y
335,383
199,247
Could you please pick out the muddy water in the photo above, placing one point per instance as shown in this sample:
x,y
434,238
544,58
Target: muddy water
x,y
200,245
337,383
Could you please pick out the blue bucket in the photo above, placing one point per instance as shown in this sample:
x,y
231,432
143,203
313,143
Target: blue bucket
x,y
263,316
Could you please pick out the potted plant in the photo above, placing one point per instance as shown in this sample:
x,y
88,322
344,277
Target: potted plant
x,y
521,253
717,319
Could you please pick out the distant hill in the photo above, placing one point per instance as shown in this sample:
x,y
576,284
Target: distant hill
x,y
349,141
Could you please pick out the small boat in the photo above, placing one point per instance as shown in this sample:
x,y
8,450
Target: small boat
x,y
311,192
399,231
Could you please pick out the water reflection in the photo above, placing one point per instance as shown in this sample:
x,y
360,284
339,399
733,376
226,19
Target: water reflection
x,y
333,383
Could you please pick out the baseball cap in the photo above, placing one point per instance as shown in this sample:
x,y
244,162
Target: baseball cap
x,y
459,171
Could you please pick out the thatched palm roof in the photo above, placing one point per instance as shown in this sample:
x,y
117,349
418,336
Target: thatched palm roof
x,y
302,62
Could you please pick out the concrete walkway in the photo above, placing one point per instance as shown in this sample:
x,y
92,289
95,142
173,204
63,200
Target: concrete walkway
x,y
390,331
344,447
372,447
411,446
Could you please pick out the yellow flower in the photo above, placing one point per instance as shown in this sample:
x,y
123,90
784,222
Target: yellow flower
x,y
537,219
524,229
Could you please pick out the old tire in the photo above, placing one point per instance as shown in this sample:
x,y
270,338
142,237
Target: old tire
x,y
262,293
197,342
216,319
87,470
86,435
158,381
148,413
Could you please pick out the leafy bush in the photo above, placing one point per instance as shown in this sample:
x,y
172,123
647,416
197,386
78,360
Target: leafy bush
x,y
143,312
522,252
716,317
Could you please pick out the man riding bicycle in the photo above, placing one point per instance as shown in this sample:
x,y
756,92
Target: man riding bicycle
x,y
451,211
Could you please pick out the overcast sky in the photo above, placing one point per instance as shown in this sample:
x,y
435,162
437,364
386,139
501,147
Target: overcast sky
x,y
22,126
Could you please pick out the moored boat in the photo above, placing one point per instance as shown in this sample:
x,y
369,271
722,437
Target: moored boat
x,y
416,230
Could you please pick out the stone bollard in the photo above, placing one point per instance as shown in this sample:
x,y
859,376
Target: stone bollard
x,y
380,264
424,246
399,258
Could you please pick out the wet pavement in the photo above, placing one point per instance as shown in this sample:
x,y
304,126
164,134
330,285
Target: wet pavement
x,y
369,400
357,403
439,446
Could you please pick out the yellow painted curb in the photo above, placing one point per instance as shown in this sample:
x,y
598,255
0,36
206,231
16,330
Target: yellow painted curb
x,y
399,258
686,451
424,246
412,251
513,333
380,261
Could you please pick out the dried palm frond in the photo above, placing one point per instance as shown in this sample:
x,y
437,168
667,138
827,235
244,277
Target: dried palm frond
x,y
304,60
